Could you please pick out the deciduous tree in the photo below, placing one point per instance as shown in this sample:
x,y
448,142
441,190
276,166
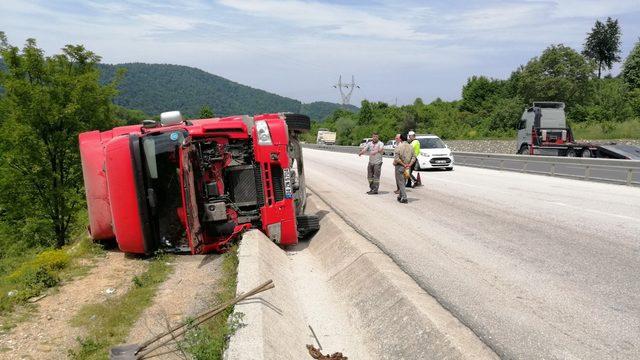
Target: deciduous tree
x,y
631,68
603,44
49,100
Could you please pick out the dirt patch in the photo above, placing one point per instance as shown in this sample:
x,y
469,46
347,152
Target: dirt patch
x,y
47,334
188,291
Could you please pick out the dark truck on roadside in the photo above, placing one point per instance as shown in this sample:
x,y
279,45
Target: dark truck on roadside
x,y
543,130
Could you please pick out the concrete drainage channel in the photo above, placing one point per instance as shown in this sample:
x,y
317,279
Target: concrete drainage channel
x,y
340,293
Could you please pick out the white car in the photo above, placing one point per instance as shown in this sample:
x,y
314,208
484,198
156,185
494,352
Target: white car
x,y
364,142
389,147
434,153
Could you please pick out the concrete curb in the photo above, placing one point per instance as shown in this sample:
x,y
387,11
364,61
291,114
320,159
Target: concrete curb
x,y
396,318
274,325
399,320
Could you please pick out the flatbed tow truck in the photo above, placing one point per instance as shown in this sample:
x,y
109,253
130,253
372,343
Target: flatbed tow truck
x,y
543,130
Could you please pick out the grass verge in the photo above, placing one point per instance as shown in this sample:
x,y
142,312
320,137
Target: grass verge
x,y
629,129
209,340
108,323
28,276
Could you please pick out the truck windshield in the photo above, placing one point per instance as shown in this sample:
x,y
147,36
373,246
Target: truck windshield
x,y
162,183
157,146
431,143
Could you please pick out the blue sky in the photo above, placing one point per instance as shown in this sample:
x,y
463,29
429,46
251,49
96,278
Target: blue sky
x,y
396,49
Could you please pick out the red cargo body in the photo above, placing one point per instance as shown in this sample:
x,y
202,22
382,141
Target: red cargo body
x,y
189,187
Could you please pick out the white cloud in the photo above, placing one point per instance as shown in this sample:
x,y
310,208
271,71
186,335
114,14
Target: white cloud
x,y
394,48
333,19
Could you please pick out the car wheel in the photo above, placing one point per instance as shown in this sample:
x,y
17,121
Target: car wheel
x,y
524,150
298,122
416,166
571,153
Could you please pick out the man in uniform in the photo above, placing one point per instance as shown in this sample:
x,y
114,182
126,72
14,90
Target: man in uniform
x,y
375,148
415,145
403,158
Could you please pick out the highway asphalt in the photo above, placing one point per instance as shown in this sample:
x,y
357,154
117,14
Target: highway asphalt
x,y
538,267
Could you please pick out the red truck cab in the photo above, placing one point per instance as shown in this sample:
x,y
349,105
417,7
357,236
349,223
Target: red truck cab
x,y
193,186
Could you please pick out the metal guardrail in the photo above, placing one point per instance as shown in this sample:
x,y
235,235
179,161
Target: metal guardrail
x,y
604,170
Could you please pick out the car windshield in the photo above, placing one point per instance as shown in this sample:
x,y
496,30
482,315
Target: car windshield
x,y
431,143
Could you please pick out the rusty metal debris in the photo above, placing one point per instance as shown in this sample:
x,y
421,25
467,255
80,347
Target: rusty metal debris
x,y
151,347
316,354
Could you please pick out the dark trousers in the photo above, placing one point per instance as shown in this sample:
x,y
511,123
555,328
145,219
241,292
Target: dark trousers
x,y
373,176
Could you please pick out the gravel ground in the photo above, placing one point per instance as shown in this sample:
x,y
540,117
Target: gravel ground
x,y
509,146
189,291
47,334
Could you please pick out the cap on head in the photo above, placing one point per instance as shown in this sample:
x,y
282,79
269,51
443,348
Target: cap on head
x,y
411,133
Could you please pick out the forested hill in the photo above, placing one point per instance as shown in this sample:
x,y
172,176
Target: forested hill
x,y
154,88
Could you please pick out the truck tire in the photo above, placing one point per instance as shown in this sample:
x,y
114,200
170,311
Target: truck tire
x,y
307,224
586,153
571,152
298,122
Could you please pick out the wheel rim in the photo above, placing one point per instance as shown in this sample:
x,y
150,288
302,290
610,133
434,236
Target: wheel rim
x,y
586,153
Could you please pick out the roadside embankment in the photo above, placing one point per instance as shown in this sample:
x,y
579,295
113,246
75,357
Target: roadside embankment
x,y
341,292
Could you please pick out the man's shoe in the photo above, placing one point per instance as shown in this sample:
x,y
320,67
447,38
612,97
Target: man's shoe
x,y
397,192
398,198
403,201
371,192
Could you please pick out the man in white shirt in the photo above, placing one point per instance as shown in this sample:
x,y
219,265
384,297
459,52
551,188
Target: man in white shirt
x,y
375,148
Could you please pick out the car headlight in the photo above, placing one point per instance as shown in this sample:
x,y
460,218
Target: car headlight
x,y
262,131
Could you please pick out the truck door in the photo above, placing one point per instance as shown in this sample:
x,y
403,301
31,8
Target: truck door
x,y
189,200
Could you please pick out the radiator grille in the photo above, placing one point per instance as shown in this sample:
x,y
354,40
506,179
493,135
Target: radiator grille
x,y
278,182
242,185
259,187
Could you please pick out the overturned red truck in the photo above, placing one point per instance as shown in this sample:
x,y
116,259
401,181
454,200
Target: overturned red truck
x,y
195,185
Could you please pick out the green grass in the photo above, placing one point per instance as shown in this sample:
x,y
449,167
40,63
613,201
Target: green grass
x,y
629,129
208,341
108,323
30,274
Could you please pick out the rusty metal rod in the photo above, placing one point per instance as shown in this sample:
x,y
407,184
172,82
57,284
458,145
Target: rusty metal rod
x,y
199,320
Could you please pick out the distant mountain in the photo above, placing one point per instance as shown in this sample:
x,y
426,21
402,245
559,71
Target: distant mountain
x,y
154,88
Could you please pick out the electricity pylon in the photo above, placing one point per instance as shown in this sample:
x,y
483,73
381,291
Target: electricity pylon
x,y
346,94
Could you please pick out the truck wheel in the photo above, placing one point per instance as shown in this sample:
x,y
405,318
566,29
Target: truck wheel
x,y
298,122
586,153
307,224
571,153
524,150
